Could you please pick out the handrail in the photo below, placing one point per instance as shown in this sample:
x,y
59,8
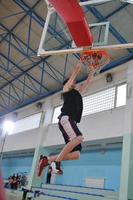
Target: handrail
x,y
69,191
108,189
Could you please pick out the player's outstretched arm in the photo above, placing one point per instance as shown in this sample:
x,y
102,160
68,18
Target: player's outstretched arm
x,y
81,88
72,78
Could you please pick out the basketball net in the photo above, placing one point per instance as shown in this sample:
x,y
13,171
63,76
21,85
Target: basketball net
x,y
95,60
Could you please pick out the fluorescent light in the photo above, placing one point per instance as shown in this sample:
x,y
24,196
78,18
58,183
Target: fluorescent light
x,y
8,127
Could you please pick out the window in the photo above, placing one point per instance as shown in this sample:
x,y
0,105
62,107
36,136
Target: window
x,y
27,123
99,101
121,95
56,114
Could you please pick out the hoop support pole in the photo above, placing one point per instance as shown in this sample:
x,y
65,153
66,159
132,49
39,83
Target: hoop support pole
x,y
45,30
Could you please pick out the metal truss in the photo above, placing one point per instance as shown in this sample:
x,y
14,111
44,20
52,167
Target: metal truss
x,y
18,86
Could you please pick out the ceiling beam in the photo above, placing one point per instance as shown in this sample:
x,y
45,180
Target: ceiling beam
x,y
20,20
10,83
28,56
39,19
23,71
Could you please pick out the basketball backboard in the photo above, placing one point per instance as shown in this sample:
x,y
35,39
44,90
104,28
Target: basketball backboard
x,y
56,38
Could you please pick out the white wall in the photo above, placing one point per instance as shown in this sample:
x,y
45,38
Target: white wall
x,y
24,140
105,124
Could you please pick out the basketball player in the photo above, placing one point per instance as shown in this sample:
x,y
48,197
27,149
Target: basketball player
x,y
71,113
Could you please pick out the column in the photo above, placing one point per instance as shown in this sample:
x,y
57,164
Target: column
x,y
126,181
34,180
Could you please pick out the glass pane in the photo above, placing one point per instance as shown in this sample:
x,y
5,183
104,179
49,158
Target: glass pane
x,y
27,123
100,101
121,95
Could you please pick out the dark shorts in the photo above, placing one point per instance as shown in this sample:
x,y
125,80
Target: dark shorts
x,y
69,130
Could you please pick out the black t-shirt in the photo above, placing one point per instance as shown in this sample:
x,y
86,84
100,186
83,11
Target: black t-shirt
x,y
73,105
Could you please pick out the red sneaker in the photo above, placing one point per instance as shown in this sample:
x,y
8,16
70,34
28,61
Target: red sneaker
x,y
43,163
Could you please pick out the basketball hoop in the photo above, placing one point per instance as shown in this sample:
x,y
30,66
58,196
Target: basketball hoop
x,y
95,59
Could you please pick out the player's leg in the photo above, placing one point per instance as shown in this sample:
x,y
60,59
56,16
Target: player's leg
x,y
73,155
70,156
69,147
56,166
73,138
45,161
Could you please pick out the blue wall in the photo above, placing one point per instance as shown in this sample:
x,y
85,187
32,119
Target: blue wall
x,y
94,165
91,164
16,165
